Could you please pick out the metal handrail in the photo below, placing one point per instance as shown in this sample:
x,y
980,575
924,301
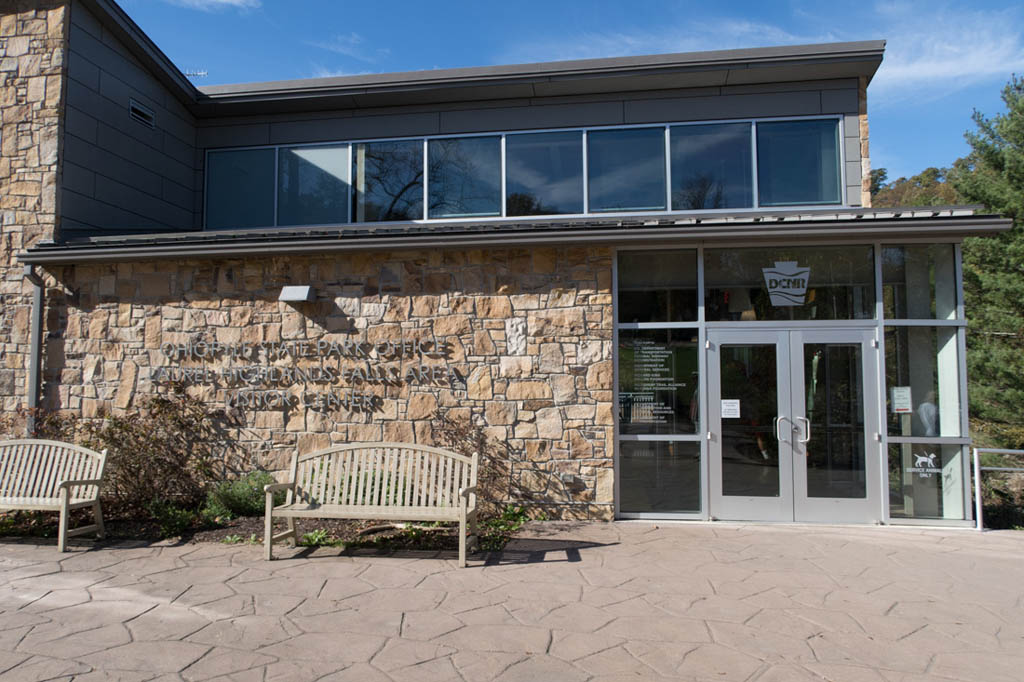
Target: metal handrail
x,y
977,477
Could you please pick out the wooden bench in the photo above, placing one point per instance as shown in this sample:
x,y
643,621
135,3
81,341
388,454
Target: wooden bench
x,y
386,481
49,475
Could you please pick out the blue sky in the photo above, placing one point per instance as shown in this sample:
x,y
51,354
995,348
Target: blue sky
x,y
943,59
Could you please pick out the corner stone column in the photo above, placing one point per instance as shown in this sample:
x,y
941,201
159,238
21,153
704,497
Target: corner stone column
x,y
33,50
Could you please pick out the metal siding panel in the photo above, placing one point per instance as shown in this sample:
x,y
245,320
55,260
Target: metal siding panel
x,y
178,195
80,124
852,148
82,70
790,86
233,136
84,19
78,179
124,146
532,117
140,203
109,219
165,123
851,125
103,162
853,174
723,107
843,101
349,127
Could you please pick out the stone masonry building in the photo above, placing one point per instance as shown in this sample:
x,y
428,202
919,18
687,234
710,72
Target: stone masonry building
x,y
657,279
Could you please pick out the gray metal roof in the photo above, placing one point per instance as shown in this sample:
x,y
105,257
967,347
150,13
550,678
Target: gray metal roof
x,y
949,223
578,77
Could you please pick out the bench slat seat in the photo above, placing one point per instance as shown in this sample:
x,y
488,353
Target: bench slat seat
x,y
49,475
353,511
386,481
40,503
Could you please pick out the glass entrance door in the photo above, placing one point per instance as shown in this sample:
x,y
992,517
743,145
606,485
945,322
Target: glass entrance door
x,y
793,425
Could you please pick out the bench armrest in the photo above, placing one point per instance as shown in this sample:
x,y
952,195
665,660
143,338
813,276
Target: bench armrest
x,y
85,481
466,492
275,487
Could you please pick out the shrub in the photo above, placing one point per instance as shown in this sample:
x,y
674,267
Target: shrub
x,y
240,497
497,531
317,538
166,450
174,521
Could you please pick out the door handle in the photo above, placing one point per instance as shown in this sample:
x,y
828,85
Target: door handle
x,y
776,423
807,429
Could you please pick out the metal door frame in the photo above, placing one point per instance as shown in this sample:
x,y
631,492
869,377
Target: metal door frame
x,y
832,509
792,503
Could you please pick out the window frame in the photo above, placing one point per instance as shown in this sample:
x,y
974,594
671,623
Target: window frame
x,y
583,131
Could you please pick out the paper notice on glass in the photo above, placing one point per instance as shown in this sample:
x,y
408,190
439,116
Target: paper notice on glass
x,y
901,403
730,409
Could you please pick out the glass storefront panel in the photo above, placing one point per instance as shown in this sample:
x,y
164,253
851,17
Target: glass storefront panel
x,y
798,283
926,481
544,173
659,387
659,476
657,286
750,451
798,163
240,189
312,185
465,177
919,282
387,180
922,376
626,169
834,406
711,166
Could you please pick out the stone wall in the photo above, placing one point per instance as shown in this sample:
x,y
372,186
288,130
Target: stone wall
x,y
33,41
865,151
518,341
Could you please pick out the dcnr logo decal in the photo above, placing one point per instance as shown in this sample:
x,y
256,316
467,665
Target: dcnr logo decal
x,y
787,283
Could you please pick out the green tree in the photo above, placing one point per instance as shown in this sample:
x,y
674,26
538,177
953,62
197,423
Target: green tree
x,y
930,187
993,175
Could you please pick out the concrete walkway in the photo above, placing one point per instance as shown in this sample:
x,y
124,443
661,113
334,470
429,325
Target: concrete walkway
x,y
624,601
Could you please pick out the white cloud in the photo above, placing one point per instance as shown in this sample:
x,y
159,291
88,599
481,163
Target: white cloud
x,y
938,50
933,49
215,5
320,71
717,34
352,45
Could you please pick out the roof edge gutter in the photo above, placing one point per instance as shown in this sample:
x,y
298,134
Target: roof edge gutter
x,y
888,230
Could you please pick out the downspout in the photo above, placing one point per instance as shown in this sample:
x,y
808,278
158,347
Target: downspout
x,y
32,386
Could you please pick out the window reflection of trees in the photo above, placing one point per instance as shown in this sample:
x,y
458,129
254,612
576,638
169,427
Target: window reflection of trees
x,y
700,191
388,181
465,177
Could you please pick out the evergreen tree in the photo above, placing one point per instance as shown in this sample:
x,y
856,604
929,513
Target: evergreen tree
x,y
993,175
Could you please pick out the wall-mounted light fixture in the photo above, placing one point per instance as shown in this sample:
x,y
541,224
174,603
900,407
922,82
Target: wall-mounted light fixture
x,y
297,294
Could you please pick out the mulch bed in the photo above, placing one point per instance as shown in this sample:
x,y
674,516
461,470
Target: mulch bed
x,y
352,534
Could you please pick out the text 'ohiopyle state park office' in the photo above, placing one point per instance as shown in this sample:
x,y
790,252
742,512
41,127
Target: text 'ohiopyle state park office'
x,y
658,279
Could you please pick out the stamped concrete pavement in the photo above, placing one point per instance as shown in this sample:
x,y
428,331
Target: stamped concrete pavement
x,y
568,601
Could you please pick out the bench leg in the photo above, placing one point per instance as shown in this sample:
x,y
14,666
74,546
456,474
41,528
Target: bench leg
x,y
62,529
97,512
462,543
291,529
268,529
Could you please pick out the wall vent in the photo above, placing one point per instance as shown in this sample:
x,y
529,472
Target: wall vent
x,y
143,115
